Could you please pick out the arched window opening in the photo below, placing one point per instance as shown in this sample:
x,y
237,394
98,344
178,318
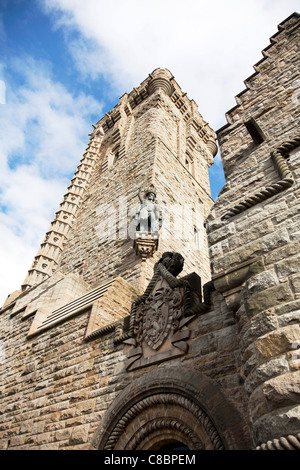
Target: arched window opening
x,y
189,163
176,445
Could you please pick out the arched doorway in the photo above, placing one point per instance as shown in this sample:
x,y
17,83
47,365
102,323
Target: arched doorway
x,y
174,445
171,408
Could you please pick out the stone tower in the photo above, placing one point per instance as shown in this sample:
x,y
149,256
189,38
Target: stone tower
x,y
122,338
152,150
155,137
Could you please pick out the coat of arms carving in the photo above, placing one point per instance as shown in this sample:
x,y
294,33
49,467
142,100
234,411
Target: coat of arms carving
x,y
157,316
160,317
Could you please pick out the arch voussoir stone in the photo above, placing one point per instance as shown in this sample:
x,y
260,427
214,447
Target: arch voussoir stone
x,y
184,396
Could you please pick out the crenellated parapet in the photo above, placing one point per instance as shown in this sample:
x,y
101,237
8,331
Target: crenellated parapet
x,y
152,92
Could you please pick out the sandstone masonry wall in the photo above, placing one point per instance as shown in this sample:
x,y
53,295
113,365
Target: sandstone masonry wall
x,y
57,376
254,234
170,148
58,385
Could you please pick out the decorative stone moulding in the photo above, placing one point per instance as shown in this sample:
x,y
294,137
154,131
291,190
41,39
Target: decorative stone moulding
x,y
145,246
212,146
124,330
160,83
160,79
159,319
171,404
229,283
289,442
285,182
165,426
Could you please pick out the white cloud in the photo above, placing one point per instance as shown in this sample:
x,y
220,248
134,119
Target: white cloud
x,y
27,202
210,47
43,133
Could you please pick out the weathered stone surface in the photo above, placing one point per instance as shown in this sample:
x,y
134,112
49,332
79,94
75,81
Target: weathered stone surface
x,y
270,297
279,341
274,425
288,266
79,434
295,281
283,390
259,325
262,281
263,372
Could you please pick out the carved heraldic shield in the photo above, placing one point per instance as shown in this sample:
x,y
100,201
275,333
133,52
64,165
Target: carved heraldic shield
x,y
159,318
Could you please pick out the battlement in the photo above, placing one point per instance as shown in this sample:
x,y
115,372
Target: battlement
x,y
286,30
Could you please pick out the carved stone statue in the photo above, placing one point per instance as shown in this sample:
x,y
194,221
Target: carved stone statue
x,y
148,218
172,261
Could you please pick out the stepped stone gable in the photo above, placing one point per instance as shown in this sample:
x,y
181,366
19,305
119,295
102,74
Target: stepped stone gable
x,y
128,336
253,233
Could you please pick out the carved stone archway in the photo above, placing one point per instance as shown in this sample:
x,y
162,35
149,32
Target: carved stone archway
x,y
171,406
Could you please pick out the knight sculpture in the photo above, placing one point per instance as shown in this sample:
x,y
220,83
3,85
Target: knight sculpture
x,y
148,218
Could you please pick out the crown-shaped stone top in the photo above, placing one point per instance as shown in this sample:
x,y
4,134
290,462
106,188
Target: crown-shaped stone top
x,y
161,79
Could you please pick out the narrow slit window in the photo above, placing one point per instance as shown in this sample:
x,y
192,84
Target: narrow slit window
x,y
197,238
255,131
116,158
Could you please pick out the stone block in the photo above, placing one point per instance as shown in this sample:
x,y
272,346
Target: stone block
x,y
282,252
263,372
4,443
278,342
222,233
62,434
259,325
267,298
251,232
262,281
79,434
288,266
295,281
272,425
283,390
257,404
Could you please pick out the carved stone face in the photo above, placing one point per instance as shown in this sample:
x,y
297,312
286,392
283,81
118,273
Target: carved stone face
x,y
150,196
173,262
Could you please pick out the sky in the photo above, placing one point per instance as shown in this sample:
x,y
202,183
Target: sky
x,y
65,63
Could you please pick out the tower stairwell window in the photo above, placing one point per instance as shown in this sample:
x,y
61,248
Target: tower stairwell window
x,y
197,239
255,131
189,163
116,157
